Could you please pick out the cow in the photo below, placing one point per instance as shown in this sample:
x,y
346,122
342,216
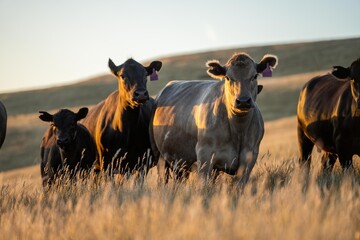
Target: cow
x,y
215,124
328,115
120,123
3,123
66,146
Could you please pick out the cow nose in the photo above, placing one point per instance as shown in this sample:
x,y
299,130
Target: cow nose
x,y
141,96
63,142
243,103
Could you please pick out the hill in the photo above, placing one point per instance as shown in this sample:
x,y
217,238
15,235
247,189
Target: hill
x,y
293,59
297,64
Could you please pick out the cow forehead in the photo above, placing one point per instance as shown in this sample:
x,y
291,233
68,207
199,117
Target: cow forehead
x,y
64,118
132,69
240,67
239,57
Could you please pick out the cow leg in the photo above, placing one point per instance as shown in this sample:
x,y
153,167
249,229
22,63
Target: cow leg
x,y
345,154
182,174
305,146
205,164
328,161
345,160
180,171
167,170
247,162
164,169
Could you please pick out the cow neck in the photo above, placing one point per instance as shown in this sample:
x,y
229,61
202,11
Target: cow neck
x,y
70,154
348,103
126,115
239,125
126,111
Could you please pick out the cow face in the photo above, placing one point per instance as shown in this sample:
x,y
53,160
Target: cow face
x,y
240,74
132,78
64,125
351,73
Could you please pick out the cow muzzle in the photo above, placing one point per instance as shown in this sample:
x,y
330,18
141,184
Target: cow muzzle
x,y
63,143
140,96
243,103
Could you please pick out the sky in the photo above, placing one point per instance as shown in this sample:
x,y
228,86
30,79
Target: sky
x,y
49,42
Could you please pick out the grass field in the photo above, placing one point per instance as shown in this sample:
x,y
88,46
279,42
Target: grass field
x,y
279,202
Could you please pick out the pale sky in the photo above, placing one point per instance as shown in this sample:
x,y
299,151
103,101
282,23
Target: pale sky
x,y
51,42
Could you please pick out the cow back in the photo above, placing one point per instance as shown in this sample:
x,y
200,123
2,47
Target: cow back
x,y
3,123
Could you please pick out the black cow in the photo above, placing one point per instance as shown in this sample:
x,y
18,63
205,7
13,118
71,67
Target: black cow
x,y
66,145
120,123
3,121
329,117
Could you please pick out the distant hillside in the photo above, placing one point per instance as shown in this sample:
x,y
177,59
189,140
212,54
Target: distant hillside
x,y
293,59
297,64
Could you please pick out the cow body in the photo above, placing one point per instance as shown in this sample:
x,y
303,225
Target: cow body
x,y
216,124
120,123
67,146
3,123
329,117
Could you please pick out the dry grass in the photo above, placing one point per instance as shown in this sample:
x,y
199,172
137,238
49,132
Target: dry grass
x,y
279,202
274,205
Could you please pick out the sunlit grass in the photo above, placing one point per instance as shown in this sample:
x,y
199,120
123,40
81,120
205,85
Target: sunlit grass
x,y
273,205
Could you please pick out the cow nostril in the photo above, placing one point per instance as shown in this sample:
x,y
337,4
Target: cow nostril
x,y
136,94
62,142
248,101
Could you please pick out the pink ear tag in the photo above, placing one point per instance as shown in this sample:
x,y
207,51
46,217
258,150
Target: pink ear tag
x,y
267,72
154,76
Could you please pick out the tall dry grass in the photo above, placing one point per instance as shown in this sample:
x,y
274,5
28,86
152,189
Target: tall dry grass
x,y
275,204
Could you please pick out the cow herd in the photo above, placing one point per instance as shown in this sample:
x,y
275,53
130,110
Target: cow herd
x,y
214,125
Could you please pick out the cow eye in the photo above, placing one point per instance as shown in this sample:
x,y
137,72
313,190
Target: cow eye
x,y
255,77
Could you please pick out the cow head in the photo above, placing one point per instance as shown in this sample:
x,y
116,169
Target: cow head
x,y
132,77
240,74
64,125
351,73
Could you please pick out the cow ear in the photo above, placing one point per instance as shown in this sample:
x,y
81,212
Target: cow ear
x,y
272,60
153,65
215,69
114,69
259,88
82,113
341,72
45,116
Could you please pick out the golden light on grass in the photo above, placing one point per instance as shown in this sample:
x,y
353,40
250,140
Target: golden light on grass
x,y
275,204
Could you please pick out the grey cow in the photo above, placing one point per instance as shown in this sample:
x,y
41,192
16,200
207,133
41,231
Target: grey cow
x,y
216,124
